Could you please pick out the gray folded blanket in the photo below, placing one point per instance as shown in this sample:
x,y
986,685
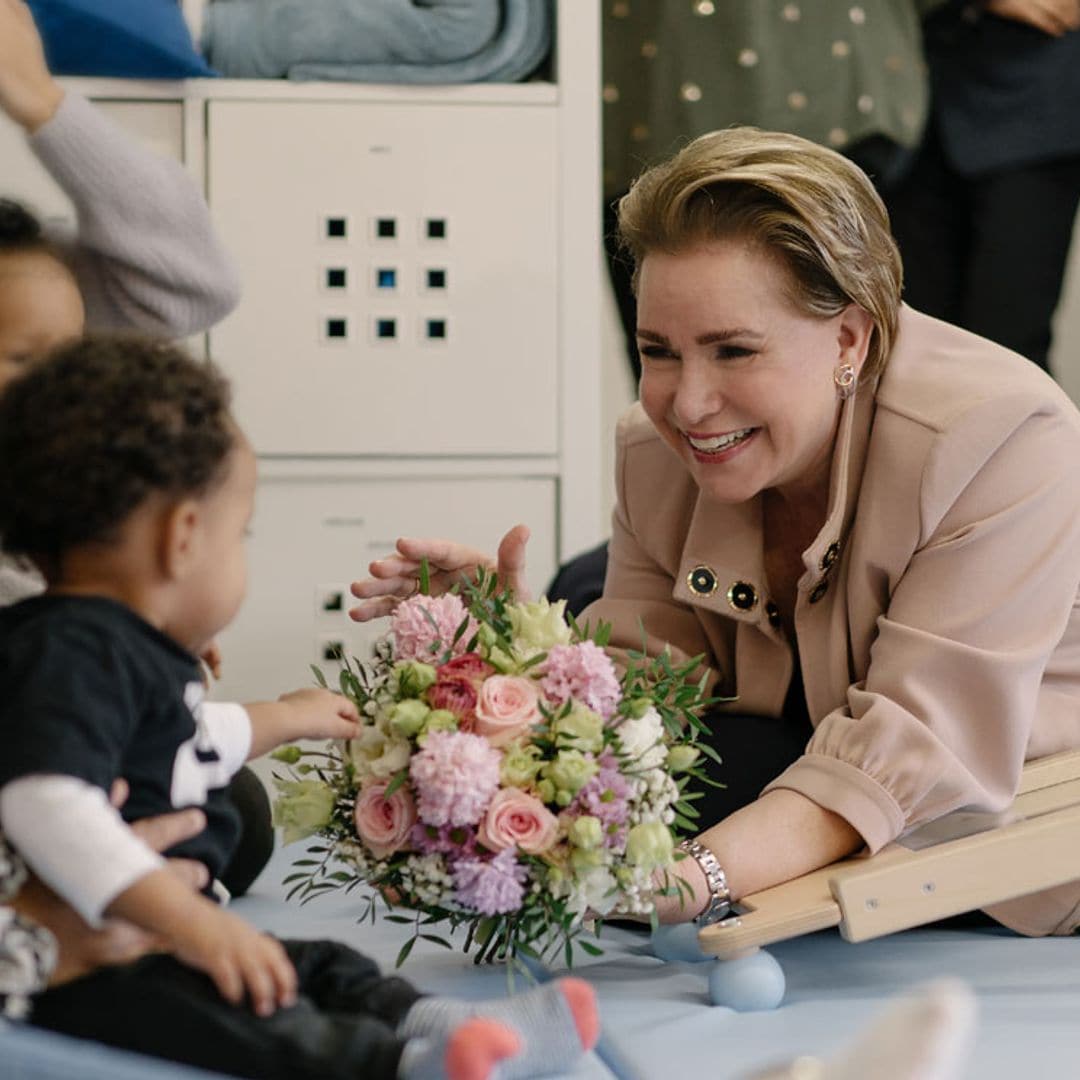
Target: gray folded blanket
x,y
378,41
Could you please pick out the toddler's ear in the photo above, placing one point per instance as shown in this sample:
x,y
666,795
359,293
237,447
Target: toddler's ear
x,y
179,538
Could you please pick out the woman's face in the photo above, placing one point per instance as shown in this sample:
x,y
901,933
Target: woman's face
x,y
735,379
40,308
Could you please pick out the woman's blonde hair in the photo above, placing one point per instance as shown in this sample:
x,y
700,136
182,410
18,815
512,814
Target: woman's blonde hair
x,y
809,205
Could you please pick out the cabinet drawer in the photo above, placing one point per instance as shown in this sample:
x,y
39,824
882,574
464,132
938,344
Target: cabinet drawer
x,y
313,536
399,266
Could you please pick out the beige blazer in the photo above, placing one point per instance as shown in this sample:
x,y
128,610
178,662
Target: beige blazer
x,y
936,621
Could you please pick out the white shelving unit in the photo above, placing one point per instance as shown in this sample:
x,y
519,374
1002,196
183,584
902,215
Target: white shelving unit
x,y
418,347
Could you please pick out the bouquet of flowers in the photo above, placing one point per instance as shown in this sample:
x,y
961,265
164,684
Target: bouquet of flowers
x,y
506,779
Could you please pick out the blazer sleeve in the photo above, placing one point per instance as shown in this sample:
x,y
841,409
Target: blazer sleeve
x,y
943,718
145,255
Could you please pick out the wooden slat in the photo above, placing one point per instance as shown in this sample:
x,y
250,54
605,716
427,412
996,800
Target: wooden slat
x,y
1040,848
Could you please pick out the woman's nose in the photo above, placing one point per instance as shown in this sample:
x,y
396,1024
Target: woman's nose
x,y
698,395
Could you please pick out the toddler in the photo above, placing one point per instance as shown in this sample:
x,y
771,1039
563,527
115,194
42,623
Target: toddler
x,y
129,485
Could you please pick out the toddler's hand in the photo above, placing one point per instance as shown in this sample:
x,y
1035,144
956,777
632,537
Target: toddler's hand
x,y
239,959
319,714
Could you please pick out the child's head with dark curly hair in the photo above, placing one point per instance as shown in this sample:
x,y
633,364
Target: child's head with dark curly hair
x,y
40,303
124,474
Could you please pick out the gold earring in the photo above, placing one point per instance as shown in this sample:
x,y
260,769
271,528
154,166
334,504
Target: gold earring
x,y
844,377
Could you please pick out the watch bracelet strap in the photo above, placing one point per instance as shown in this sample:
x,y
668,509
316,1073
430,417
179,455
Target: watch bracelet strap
x,y
719,894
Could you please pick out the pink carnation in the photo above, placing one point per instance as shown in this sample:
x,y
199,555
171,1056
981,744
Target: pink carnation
x,y
455,776
583,672
424,627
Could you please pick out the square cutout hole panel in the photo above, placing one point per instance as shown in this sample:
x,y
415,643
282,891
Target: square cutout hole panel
x,y
337,277
336,228
435,329
435,278
385,228
435,228
385,329
336,329
385,278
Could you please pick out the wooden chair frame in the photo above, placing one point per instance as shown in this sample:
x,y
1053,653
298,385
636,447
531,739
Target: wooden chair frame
x,y
1034,845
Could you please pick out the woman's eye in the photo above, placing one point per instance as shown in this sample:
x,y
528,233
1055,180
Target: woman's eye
x,y
734,352
654,352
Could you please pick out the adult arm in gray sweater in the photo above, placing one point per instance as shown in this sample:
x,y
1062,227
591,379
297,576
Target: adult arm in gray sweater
x,y
144,253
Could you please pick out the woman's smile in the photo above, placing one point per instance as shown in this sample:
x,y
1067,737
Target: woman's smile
x,y
713,449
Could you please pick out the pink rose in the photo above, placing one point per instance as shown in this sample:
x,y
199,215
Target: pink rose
x,y
506,706
384,823
456,695
517,819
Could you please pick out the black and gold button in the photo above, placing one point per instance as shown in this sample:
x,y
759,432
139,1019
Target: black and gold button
x,y
742,596
702,581
773,614
832,553
818,591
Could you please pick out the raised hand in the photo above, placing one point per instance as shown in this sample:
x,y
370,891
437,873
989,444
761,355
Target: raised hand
x,y
396,577
320,714
28,93
312,713
1053,17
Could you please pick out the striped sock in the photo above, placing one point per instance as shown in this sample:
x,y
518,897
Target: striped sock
x,y
557,1023
472,1051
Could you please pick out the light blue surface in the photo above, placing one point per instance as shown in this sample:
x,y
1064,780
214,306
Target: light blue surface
x,y
657,1015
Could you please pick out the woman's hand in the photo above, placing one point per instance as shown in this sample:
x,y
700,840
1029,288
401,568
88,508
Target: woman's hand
x,y
28,93
397,577
1053,17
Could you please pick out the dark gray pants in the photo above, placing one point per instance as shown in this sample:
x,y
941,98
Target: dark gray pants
x,y
343,1025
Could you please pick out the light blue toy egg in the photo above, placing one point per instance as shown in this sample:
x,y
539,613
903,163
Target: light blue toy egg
x,y
749,983
678,944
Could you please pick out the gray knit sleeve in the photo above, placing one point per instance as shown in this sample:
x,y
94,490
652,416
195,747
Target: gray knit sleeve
x,y
145,255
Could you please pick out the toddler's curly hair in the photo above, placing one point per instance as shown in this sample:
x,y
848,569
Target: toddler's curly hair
x,y
21,231
97,428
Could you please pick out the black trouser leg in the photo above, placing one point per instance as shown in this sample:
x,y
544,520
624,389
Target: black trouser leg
x,y
161,1008
930,214
1023,222
339,979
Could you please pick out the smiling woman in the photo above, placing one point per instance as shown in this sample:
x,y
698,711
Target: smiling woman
x,y
866,520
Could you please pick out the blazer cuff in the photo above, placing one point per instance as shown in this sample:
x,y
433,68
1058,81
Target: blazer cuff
x,y
847,791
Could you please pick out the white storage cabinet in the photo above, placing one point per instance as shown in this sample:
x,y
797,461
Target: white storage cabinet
x,y
417,348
